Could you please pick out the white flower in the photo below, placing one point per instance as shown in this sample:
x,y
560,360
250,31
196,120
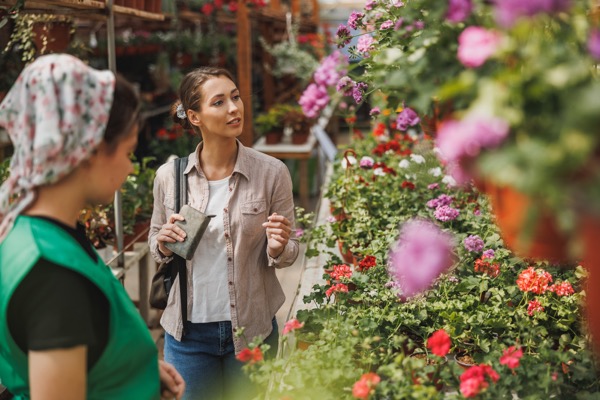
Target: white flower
x,y
373,293
404,163
379,171
351,159
419,159
448,180
411,177
437,171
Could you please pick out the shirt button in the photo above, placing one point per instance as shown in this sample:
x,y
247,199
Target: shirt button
x,y
229,259
255,209
232,306
226,234
225,210
231,284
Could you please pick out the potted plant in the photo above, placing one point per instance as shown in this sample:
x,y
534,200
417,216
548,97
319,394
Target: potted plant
x,y
270,124
298,123
532,123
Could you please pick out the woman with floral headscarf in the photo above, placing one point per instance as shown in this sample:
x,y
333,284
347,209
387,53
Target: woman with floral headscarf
x,y
68,330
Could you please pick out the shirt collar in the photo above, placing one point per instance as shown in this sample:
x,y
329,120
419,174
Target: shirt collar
x,y
242,163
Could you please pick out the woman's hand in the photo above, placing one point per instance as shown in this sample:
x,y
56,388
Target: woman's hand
x,y
278,229
171,383
170,233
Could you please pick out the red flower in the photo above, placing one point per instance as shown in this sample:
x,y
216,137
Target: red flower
x,y
562,289
232,6
439,343
341,271
365,385
338,287
534,280
292,325
534,307
511,357
207,8
473,380
367,263
252,356
409,185
483,266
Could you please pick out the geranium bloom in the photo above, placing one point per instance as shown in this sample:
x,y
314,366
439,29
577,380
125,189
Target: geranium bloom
x,y
489,253
331,69
374,111
485,267
343,34
562,289
404,163
366,162
458,10
508,11
476,45
407,117
355,19
370,4
534,280
473,380
433,186
367,263
338,287
439,343
446,213
252,356
386,25
341,271
345,86
473,243
533,307
422,252
511,357
365,44
364,386
408,185
292,325
441,200
313,100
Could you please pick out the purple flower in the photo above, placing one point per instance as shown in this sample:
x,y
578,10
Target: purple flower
x,y
345,86
489,253
476,45
418,25
508,11
477,212
473,243
386,25
407,117
366,162
355,19
365,44
593,44
299,232
370,4
445,213
399,23
458,10
332,68
396,3
420,255
343,34
313,100
374,111
433,186
358,91
441,200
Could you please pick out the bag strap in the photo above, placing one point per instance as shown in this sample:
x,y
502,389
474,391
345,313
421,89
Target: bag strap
x,y
180,264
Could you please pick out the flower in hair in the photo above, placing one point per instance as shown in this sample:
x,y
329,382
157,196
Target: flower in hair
x,y
181,112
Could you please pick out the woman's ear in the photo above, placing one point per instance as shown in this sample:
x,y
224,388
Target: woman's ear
x,y
193,118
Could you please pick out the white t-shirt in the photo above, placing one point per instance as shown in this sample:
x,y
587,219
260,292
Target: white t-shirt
x,y
209,268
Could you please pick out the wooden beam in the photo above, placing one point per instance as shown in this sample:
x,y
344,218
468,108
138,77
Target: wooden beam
x,y
296,8
244,69
268,62
315,13
275,5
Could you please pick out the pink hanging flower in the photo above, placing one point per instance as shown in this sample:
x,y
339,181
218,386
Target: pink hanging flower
x,y
386,25
422,244
511,357
292,325
476,45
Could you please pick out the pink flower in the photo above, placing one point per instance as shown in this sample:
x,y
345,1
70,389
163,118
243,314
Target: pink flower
x,y
458,10
355,19
421,243
313,100
476,45
534,307
446,213
407,117
439,343
338,287
366,162
511,357
534,280
386,25
292,325
365,385
593,44
365,44
341,271
562,289
508,11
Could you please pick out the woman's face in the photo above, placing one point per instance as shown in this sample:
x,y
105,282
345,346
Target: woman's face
x,y
109,169
221,109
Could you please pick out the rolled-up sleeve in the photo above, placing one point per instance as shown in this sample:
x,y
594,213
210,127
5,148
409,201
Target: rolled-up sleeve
x,y
282,203
159,213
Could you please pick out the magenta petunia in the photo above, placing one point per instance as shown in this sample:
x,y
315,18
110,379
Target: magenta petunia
x,y
593,44
507,12
406,118
422,252
458,10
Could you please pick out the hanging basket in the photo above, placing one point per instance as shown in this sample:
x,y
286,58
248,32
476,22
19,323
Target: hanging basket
x,y
511,209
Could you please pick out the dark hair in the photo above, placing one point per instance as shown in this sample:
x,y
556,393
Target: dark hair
x,y
124,111
190,92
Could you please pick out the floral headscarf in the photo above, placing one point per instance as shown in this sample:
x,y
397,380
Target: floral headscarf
x,y
55,114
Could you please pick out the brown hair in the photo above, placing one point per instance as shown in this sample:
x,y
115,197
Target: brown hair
x,y
124,112
190,92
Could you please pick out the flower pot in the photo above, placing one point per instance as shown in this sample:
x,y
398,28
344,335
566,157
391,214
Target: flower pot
x,y
139,235
464,360
300,138
346,254
273,137
51,37
511,210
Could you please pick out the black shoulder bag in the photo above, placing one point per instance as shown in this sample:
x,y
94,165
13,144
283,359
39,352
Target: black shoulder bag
x,y
163,279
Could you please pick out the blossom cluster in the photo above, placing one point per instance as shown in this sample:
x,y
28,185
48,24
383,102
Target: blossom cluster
x,y
473,243
336,288
484,266
534,280
340,271
250,356
363,388
439,343
367,263
315,97
473,380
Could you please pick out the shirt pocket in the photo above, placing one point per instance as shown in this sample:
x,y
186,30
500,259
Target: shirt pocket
x,y
254,214
169,203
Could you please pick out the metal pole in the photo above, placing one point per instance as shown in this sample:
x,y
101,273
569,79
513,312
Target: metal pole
x,y
112,65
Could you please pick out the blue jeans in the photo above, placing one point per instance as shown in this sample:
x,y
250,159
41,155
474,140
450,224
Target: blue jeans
x,y
205,358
